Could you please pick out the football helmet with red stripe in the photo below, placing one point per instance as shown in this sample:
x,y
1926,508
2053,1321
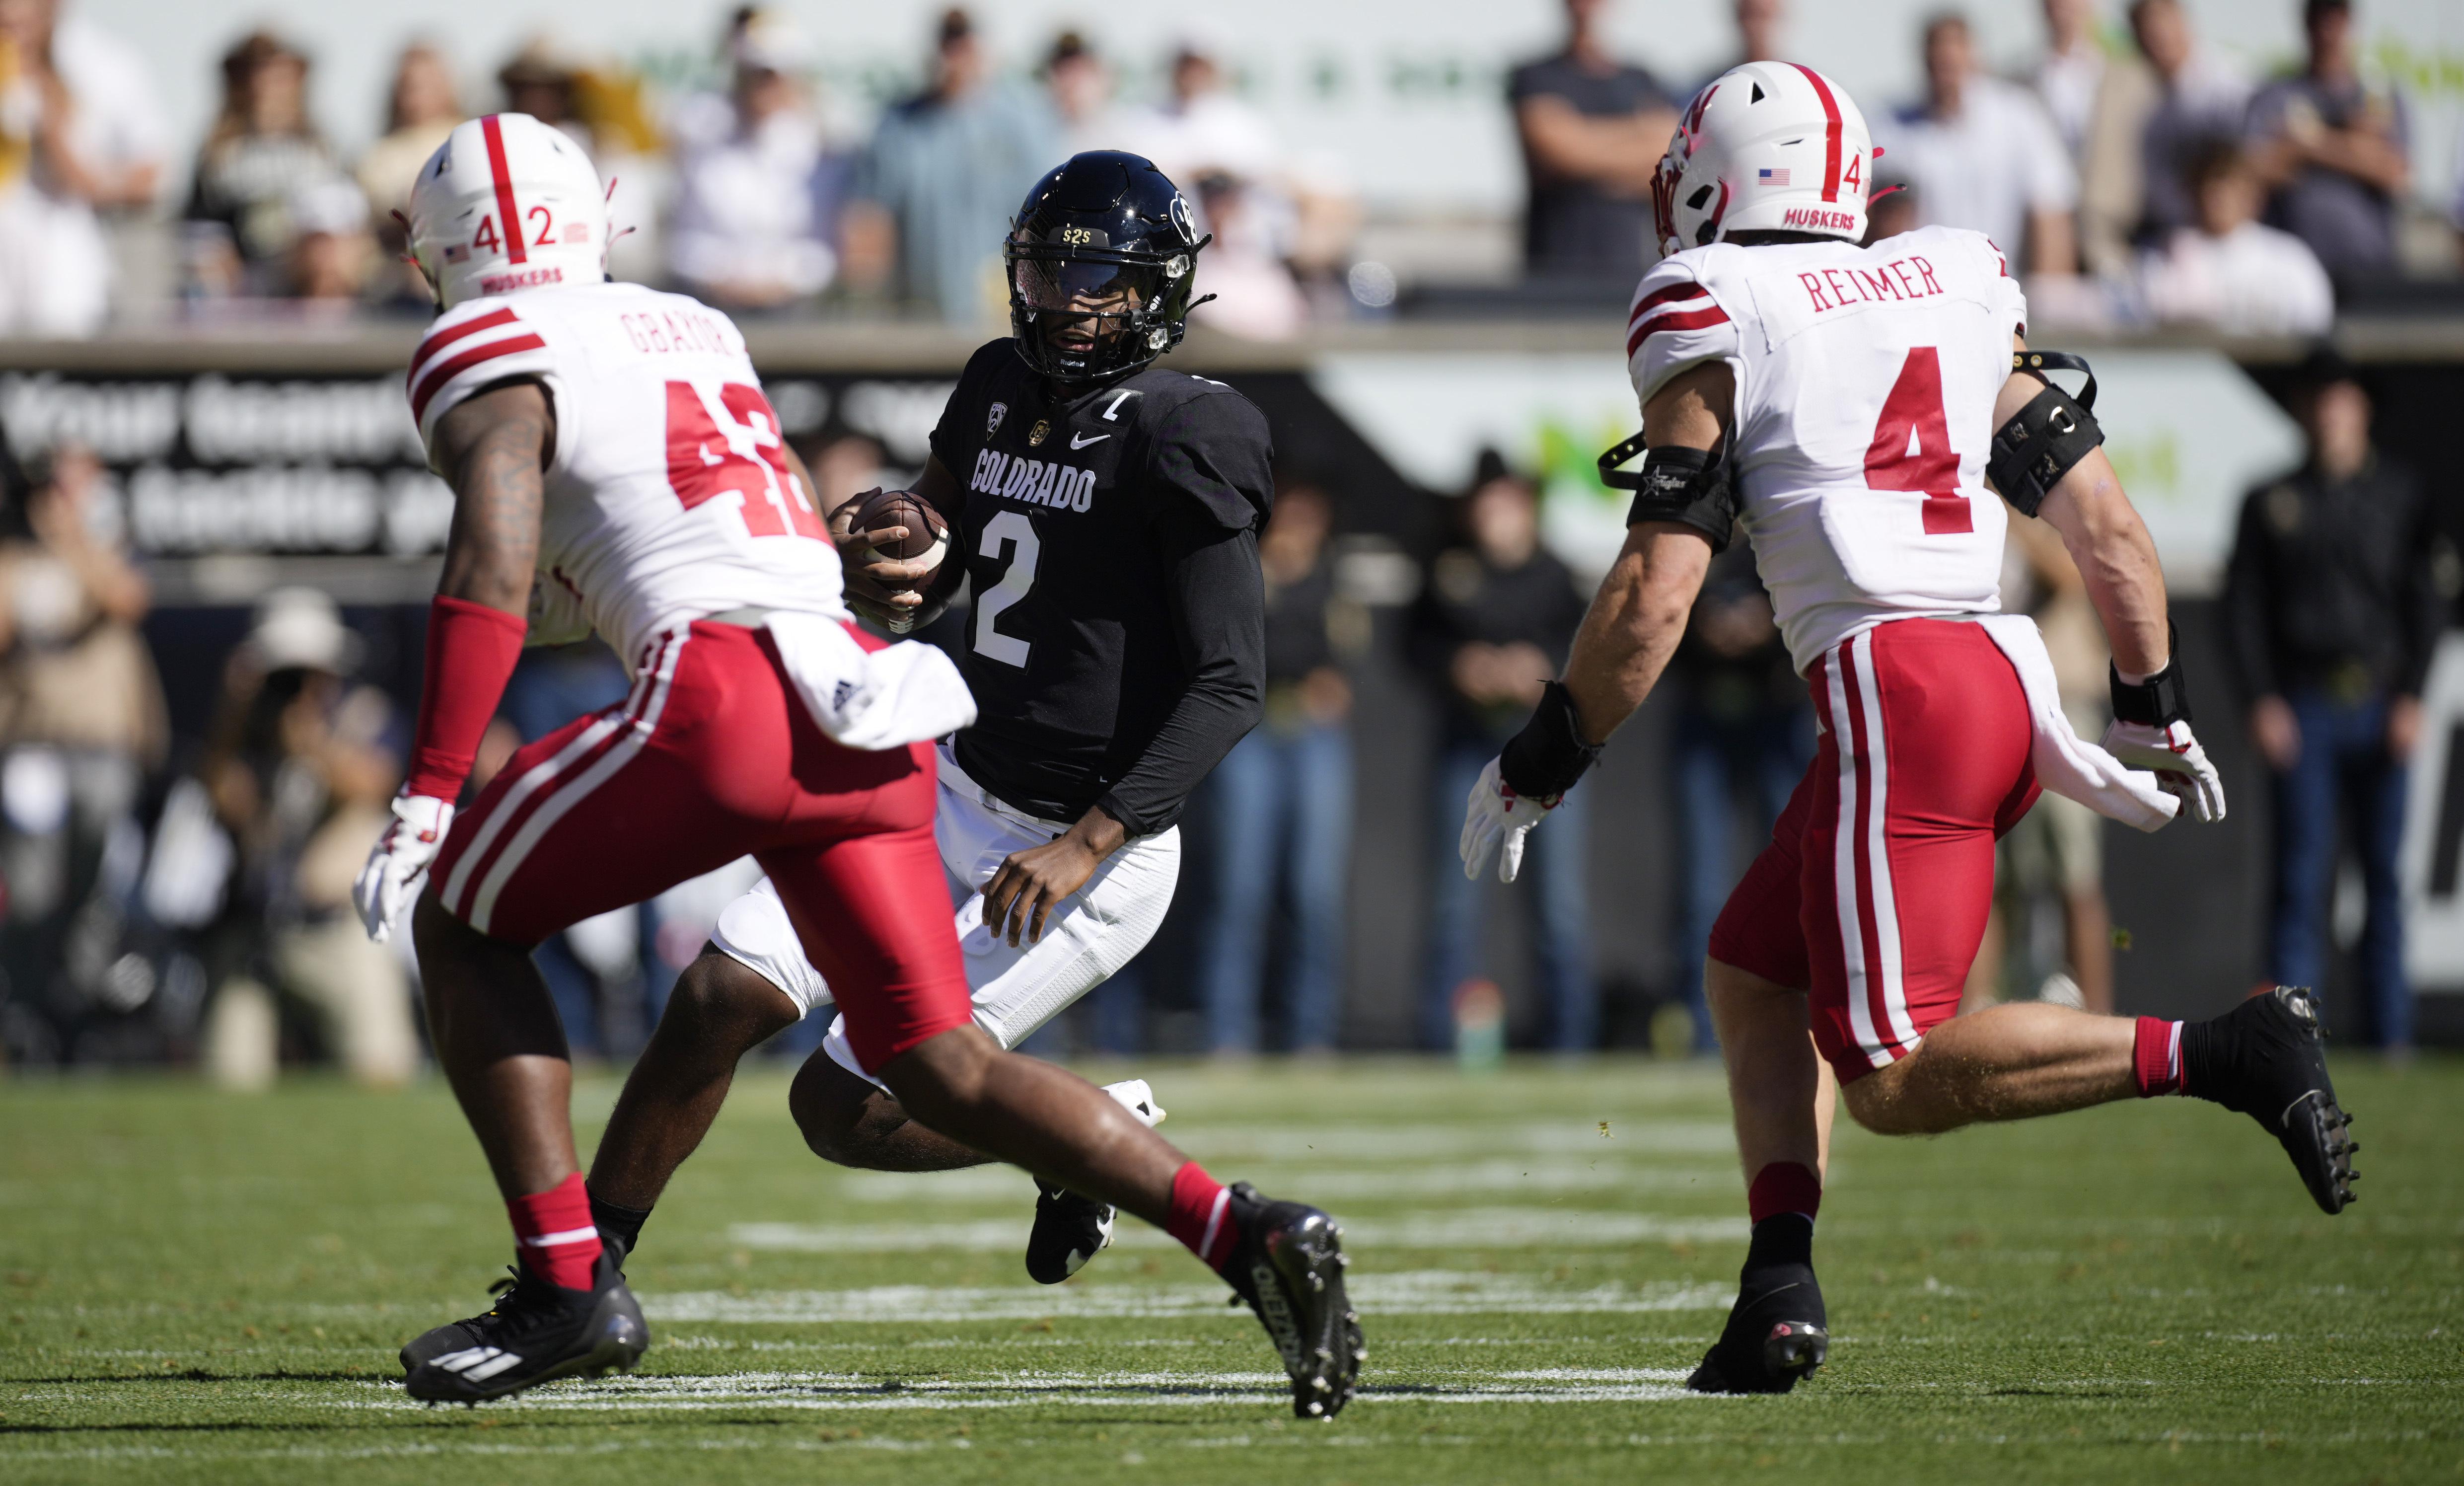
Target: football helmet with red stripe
x,y
507,203
1765,147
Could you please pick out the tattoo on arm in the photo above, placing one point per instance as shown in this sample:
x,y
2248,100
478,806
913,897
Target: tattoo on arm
x,y
494,448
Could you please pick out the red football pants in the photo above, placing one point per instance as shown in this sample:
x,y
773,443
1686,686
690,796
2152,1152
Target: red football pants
x,y
712,756
1874,890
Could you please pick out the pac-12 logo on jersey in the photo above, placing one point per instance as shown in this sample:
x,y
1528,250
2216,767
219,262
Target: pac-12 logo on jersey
x,y
993,419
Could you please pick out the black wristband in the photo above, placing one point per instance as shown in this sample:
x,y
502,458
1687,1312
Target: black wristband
x,y
2159,701
1549,756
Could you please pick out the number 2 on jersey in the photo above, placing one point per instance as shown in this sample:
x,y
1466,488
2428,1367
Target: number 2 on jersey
x,y
1009,526
744,457
1911,448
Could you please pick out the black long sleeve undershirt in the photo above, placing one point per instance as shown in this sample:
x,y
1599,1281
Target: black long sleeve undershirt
x,y
1218,617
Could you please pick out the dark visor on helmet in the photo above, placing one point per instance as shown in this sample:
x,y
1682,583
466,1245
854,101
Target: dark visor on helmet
x,y
1087,286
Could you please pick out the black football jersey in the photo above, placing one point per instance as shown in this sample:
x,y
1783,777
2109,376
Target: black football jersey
x,y
1115,641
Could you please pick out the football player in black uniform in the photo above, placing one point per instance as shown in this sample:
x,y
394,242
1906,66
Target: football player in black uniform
x,y
1105,513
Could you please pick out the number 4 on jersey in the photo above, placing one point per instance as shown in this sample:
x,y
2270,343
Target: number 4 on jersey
x,y
1911,448
745,456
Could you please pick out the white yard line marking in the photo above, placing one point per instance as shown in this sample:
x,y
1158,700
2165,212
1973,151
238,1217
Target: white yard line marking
x,y
1411,1293
1493,1177
848,1392
1464,1228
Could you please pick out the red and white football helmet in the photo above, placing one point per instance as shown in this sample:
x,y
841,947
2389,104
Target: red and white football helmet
x,y
1765,146
507,203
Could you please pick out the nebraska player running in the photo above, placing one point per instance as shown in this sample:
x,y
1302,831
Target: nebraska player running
x,y
614,462
1845,405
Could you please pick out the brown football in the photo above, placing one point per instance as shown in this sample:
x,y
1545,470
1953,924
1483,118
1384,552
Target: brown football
x,y
928,535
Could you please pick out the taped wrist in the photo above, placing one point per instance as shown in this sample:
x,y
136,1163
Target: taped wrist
x,y
2161,701
2043,440
1549,756
472,649
1688,486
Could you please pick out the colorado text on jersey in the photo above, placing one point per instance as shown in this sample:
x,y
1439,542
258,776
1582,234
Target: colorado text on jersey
x,y
1063,487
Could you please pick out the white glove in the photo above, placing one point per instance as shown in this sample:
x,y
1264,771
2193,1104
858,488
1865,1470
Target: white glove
x,y
400,861
2180,764
1496,820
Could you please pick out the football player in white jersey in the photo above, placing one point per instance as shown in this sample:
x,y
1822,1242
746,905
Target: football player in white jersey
x,y
1846,407
616,468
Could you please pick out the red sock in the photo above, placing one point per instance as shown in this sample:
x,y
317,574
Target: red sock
x,y
1202,1216
553,1234
1783,1187
2156,1057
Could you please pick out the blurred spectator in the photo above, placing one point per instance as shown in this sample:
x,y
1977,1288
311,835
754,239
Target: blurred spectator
x,y
2230,271
331,248
1255,295
2332,150
848,465
300,765
1080,88
1760,26
2149,121
81,720
1982,153
421,109
542,81
753,221
1283,804
1492,625
1743,736
2056,851
262,152
1202,128
80,135
2071,73
1593,130
2333,609
934,194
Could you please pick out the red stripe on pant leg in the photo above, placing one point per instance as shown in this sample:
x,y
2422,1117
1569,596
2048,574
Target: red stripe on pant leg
x,y
1868,924
634,706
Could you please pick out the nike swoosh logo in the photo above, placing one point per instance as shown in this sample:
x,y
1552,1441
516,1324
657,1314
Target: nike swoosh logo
x,y
1082,440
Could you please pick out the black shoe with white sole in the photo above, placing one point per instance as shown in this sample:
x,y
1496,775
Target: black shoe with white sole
x,y
1069,1229
536,1333
472,1331
2266,1058
1289,1267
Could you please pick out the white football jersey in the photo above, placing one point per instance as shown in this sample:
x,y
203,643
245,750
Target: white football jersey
x,y
1866,379
670,497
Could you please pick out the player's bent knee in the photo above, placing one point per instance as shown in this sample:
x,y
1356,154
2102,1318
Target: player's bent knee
x,y
941,1081
1886,1102
717,992
831,1107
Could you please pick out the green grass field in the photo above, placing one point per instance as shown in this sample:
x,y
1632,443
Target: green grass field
x,y
209,1288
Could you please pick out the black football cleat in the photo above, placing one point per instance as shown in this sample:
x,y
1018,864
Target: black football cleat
x,y
1777,1332
536,1333
1289,1267
1069,1229
2266,1058
457,1336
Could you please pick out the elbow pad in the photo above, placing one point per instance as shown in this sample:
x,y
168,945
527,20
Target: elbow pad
x,y
2056,431
1688,486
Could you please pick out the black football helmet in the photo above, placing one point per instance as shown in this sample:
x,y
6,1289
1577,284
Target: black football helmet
x,y
1101,262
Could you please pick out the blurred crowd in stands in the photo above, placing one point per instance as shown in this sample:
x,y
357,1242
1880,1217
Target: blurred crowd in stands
x,y
2135,176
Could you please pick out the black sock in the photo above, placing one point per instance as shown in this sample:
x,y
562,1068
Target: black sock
x,y
2199,1070
1782,1238
624,1224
